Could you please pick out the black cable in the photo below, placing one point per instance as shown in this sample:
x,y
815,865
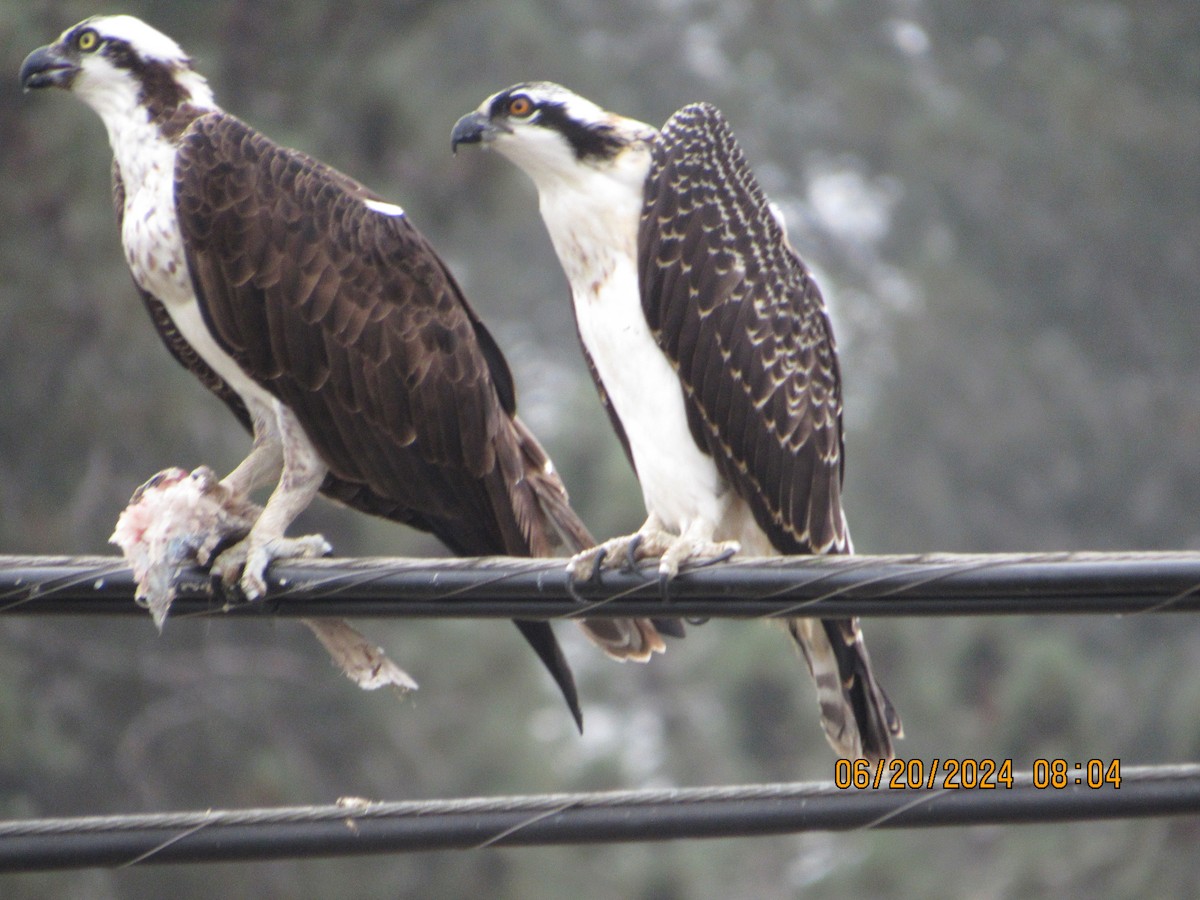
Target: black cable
x,y
861,585
359,827
925,585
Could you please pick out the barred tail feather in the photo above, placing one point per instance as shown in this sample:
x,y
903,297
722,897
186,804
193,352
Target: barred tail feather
x,y
858,718
624,639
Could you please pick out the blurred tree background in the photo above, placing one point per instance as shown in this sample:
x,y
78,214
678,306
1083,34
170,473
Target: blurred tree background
x,y
1003,206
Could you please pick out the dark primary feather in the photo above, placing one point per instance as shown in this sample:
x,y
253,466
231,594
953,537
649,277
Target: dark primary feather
x,y
349,317
741,320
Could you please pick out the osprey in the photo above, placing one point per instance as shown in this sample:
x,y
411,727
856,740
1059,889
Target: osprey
x,y
315,310
712,351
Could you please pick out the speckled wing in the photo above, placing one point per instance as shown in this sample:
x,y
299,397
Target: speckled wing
x,y
345,314
739,316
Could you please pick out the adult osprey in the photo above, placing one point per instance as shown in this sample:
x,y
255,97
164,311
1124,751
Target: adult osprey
x,y
326,322
712,351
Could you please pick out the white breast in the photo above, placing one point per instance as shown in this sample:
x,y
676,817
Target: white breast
x,y
154,250
679,482
594,230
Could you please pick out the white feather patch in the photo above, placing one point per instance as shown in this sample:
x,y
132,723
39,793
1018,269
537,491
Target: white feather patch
x,y
387,209
146,41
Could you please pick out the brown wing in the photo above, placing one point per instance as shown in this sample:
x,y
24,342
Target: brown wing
x,y
349,318
740,318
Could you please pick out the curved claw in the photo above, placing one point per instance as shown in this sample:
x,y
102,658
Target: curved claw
x,y
684,554
225,572
241,569
631,560
721,557
594,560
664,584
597,565
573,590
219,587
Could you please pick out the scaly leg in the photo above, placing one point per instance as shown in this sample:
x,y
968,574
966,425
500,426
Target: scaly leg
x,y
695,548
264,464
302,474
652,541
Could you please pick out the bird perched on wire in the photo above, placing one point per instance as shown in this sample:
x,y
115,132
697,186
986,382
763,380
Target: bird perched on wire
x,y
178,517
325,321
712,351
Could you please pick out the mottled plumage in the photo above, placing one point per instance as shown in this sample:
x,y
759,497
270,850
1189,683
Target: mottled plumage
x,y
736,311
323,318
740,444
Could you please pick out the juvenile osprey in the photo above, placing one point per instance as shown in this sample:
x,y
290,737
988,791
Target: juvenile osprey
x,y
712,351
325,321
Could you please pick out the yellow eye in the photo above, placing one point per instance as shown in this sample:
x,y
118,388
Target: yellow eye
x,y
520,106
87,41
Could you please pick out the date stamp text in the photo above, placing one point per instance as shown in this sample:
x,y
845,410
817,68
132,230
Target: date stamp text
x,y
971,774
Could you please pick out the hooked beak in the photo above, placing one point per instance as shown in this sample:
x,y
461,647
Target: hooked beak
x,y
475,128
47,67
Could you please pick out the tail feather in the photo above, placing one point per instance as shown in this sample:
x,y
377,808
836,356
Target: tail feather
x,y
517,528
858,718
545,645
624,639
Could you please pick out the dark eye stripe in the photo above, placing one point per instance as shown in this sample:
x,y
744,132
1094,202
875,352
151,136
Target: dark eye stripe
x,y
500,104
588,141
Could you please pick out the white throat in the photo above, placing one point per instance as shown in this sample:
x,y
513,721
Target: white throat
x,y
135,140
592,213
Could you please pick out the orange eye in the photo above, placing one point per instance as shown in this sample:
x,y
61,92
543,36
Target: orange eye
x,y
520,106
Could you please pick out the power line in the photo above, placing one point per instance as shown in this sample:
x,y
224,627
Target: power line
x,y
360,827
926,585
914,585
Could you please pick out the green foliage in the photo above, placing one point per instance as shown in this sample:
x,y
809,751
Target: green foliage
x,y
1001,204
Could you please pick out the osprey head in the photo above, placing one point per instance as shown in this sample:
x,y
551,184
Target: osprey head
x,y
543,127
116,63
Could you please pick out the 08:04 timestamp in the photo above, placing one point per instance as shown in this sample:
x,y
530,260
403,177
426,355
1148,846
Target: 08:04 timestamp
x,y
983,773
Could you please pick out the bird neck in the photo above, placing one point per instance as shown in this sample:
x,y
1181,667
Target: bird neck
x,y
137,114
593,213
